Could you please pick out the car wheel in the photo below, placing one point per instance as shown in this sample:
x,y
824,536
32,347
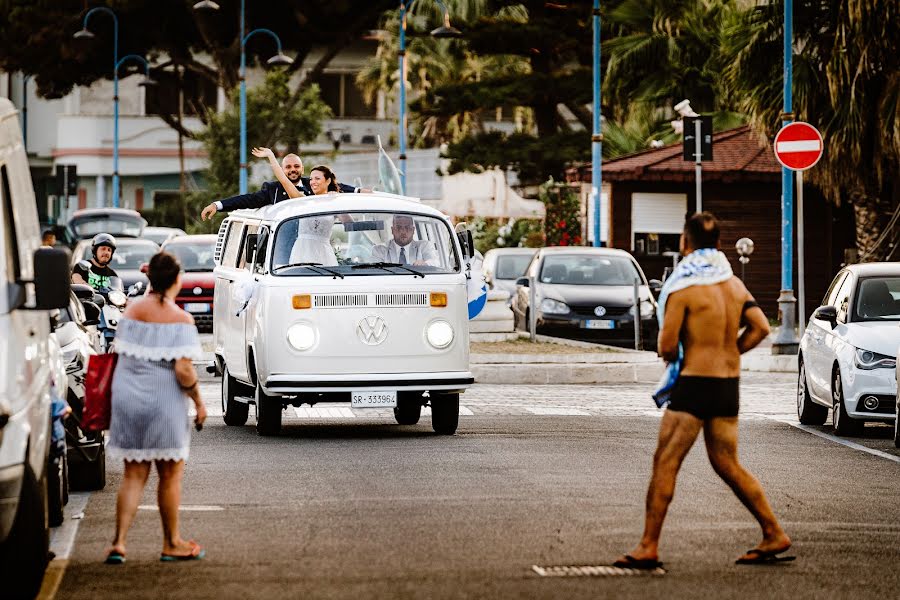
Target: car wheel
x,y
268,413
444,413
234,413
409,408
23,556
56,489
808,411
843,424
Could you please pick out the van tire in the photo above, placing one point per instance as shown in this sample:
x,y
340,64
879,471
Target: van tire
x,y
268,413
409,408
234,413
57,489
444,413
23,557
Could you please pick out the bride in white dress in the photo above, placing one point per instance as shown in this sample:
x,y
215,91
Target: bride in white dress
x,y
313,242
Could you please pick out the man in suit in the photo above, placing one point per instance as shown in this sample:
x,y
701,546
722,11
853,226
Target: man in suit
x,y
271,191
403,249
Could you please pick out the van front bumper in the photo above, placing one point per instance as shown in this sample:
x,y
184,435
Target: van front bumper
x,y
452,381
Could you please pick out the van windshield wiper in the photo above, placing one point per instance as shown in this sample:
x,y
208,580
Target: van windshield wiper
x,y
385,265
311,265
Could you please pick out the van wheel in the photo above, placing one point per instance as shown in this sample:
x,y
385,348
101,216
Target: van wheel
x,y
57,489
445,413
268,413
234,413
843,424
808,411
409,408
23,557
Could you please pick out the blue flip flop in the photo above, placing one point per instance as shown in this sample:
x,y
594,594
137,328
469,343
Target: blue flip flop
x,y
197,553
115,558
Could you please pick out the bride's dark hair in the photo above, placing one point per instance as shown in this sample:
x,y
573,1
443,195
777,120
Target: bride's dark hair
x,y
329,174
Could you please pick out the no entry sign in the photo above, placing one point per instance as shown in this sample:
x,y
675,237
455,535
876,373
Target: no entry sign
x,y
798,146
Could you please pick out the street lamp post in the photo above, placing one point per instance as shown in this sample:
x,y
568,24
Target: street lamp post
x,y
597,137
444,31
278,59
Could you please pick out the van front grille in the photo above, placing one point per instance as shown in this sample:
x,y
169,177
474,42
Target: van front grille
x,y
399,300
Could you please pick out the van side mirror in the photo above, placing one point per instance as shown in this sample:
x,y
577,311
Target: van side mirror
x,y
91,313
52,279
467,243
523,281
655,286
826,313
250,247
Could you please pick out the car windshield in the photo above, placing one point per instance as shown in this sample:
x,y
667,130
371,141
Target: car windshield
x,y
878,299
364,243
512,266
194,257
161,235
121,225
128,257
582,269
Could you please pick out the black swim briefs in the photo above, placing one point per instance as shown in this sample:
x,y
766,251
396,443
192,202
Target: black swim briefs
x,y
706,397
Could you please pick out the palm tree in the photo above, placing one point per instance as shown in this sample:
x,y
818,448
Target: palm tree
x,y
847,83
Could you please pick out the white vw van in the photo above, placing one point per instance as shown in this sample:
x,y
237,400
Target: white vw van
x,y
33,280
314,302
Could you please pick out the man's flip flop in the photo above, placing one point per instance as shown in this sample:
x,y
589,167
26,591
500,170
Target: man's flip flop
x,y
197,553
115,558
763,557
630,562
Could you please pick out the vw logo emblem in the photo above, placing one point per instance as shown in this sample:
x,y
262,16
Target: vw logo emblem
x,y
600,311
372,330
198,290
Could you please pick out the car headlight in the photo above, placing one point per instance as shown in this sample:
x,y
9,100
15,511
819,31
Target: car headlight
x,y
117,298
301,336
866,359
646,309
439,334
554,307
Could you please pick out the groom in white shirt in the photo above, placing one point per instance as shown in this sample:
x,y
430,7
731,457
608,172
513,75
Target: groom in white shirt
x,y
403,249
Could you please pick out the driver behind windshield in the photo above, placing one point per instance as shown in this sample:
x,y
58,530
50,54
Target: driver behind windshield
x,y
403,249
97,273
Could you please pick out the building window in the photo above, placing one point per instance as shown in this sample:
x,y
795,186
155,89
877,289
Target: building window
x,y
655,243
162,99
339,91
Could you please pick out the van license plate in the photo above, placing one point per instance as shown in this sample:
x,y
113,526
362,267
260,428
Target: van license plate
x,y
365,399
602,324
196,307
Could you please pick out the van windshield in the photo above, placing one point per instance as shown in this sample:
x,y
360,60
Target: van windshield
x,y
364,243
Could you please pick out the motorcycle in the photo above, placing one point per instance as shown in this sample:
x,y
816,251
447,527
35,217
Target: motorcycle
x,y
111,309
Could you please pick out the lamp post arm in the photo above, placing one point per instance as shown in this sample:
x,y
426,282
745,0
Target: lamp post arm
x,y
136,57
262,30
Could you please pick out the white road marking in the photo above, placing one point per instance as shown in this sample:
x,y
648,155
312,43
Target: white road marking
x,y
800,146
323,412
557,411
186,507
62,538
593,571
840,441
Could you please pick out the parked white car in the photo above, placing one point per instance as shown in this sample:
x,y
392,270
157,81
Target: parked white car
x,y
34,280
848,354
502,266
314,302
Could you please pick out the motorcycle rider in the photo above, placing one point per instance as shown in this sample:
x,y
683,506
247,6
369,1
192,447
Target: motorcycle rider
x,y
99,273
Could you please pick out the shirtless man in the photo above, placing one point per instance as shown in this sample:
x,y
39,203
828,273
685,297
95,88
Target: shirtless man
x,y
708,320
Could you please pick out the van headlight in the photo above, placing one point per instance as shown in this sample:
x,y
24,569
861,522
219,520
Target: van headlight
x,y
439,334
301,336
866,359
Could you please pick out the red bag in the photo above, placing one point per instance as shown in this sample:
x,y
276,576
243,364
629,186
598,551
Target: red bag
x,y
98,392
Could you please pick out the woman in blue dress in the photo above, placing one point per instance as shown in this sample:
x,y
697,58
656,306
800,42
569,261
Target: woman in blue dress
x,y
153,385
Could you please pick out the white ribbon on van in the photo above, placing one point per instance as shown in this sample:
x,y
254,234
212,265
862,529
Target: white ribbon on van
x,y
476,288
243,290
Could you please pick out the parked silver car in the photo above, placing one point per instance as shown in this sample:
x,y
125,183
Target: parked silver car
x,y
502,266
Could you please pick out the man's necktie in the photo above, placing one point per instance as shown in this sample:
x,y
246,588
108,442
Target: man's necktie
x,y
402,256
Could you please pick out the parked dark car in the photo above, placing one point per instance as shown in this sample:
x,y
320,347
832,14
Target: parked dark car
x,y
587,294
196,252
119,222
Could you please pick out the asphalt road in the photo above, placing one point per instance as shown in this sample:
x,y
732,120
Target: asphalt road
x,y
347,504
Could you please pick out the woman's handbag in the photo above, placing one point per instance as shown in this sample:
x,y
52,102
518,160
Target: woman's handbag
x,y
98,392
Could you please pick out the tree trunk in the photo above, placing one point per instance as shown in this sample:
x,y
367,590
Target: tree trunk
x,y
870,222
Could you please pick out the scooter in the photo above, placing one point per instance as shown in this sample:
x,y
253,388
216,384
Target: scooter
x,y
114,300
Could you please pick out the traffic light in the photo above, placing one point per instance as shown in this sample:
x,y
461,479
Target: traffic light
x,y
66,180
